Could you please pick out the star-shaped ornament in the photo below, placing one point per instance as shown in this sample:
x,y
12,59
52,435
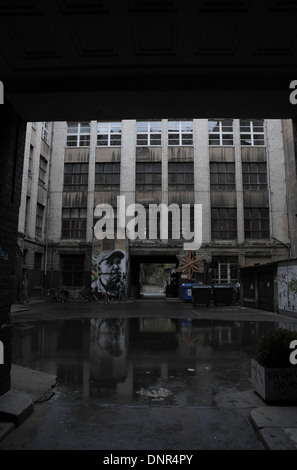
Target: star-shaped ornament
x,y
189,263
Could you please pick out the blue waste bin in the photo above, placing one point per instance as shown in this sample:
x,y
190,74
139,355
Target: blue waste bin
x,y
187,292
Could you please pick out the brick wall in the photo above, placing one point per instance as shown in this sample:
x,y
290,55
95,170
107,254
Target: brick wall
x,y
12,141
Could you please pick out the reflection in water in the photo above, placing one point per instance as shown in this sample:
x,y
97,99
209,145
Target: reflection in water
x,y
144,359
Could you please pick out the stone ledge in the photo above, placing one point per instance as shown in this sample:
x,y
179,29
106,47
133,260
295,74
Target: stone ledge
x,y
15,407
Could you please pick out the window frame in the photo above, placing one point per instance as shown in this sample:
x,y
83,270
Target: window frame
x,y
257,185
222,185
44,131
79,134
155,173
249,222
84,176
114,185
149,134
81,225
177,174
42,170
39,219
250,132
221,133
75,273
180,134
109,134
231,234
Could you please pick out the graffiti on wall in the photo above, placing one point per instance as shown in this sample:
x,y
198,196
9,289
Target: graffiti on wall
x,y
109,271
287,288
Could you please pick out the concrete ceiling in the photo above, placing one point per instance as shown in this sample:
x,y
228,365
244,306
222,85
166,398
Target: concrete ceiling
x,y
100,59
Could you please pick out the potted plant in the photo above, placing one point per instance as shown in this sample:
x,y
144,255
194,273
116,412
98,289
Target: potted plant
x,y
274,372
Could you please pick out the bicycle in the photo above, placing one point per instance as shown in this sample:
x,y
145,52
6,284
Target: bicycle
x,y
24,296
56,295
81,295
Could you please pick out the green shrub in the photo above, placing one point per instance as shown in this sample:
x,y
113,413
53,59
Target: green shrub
x,y
273,348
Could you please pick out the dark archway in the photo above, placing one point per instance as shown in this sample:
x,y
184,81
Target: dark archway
x,y
119,60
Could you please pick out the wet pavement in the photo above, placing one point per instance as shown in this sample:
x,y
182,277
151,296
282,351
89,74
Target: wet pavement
x,y
150,374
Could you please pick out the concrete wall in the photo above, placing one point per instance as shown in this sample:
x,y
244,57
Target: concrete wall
x,y
12,142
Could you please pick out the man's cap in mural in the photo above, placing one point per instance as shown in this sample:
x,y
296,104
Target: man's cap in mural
x,y
104,255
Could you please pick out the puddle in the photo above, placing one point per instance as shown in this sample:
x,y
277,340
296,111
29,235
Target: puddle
x,y
142,360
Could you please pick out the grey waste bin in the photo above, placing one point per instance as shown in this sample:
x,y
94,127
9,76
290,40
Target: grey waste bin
x,y
222,294
201,294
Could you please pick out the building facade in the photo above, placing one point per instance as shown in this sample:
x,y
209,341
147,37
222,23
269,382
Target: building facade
x,y
234,168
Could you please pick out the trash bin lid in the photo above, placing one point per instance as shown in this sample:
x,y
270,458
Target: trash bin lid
x,y
201,286
223,286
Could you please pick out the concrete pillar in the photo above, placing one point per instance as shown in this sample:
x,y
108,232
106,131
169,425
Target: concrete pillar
x,y
238,182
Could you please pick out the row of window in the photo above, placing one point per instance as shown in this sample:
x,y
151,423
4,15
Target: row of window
x,y
180,175
223,223
179,133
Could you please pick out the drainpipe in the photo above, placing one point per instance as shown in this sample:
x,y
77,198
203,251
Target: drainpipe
x,y
48,201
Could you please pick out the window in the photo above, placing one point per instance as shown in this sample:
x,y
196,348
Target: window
x,y
28,206
180,175
42,169
252,132
78,134
224,269
37,260
222,175
254,175
74,222
39,219
180,132
30,166
44,131
148,176
107,175
223,223
72,270
148,132
76,176
220,132
256,222
109,133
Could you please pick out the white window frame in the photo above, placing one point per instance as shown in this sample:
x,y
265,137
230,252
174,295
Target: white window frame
x,y
179,132
44,131
78,133
250,131
149,133
110,125
221,132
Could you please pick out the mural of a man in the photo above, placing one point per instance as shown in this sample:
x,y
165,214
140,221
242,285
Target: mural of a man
x,y
111,270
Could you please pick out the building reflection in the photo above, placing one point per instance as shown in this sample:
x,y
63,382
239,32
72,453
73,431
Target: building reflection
x,y
112,358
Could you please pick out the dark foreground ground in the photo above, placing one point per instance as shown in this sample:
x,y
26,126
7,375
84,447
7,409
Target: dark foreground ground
x,y
203,402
